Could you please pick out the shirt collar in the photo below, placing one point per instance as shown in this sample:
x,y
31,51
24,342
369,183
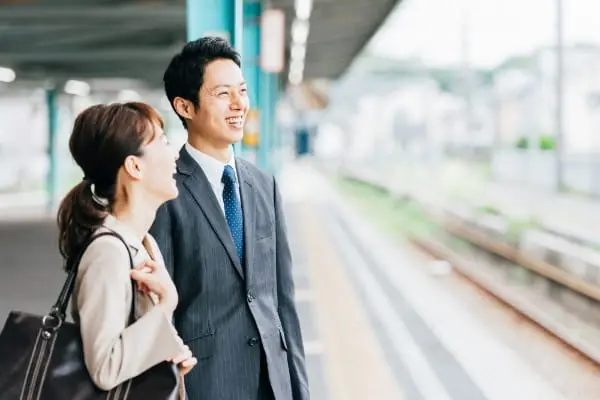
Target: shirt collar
x,y
213,168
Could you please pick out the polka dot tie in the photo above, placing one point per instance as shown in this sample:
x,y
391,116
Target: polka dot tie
x,y
233,210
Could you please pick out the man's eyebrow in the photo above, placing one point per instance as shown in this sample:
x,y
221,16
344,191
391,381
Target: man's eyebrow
x,y
223,85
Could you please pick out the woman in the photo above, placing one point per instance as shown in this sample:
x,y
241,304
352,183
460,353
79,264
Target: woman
x,y
128,169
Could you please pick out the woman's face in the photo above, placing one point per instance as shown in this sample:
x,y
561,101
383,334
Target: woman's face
x,y
158,163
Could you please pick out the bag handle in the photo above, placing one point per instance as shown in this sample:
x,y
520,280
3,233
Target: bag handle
x,y
55,318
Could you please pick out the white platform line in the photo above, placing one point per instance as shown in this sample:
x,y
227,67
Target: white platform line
x,y
497,369
416,363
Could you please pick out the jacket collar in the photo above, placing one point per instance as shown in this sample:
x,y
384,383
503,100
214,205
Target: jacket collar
x,y
111,222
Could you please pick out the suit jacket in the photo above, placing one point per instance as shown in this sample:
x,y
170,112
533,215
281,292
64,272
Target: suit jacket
x,y
113,351
231,314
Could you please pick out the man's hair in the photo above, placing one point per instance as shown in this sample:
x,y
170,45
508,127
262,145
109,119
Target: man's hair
x,y
185,74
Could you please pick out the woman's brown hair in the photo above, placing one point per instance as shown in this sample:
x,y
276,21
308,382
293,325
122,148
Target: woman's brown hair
x,y
103,137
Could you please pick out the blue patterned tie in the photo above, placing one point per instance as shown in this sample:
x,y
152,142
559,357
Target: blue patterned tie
x,y
233,210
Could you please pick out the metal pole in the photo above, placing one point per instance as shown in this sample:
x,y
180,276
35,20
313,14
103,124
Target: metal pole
x,y
559,96
51,179
238,26
466,73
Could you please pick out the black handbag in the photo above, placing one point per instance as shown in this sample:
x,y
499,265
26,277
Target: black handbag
x,y
41,357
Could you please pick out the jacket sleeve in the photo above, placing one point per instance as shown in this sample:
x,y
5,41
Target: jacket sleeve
x,y
287,306
113,351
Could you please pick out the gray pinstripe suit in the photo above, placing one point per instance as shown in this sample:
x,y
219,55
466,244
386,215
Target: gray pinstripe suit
x,y
234,318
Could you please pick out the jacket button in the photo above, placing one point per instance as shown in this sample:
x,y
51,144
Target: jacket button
x,y
250,297
253,342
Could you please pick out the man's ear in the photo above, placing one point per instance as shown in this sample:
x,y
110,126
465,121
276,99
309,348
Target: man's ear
x,y
183,107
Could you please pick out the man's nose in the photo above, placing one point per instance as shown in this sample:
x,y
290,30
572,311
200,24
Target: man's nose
x,y
236,102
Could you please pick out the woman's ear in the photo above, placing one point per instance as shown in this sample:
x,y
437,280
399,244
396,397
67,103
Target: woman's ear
x,y
133,167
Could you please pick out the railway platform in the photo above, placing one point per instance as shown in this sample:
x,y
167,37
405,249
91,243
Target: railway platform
x,y
380,319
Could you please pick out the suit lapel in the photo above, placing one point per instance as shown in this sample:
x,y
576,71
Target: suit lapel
x,y
249,210
201,191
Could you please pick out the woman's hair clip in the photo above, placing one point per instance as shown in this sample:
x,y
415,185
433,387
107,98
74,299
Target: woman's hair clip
x,y
101,201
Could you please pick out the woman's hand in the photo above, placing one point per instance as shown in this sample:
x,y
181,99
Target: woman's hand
x,y
185,361
149,278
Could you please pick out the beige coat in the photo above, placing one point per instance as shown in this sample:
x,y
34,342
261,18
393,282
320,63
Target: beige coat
x,y
113,351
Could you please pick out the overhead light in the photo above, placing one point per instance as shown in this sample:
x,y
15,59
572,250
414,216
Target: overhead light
x,y
299,31
298,51
297,66
295,77
128,95
77,88
7,75
303,9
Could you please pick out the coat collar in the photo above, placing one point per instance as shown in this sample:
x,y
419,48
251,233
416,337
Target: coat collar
x,y
131,238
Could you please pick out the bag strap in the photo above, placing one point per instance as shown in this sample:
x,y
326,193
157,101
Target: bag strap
x,y
59,309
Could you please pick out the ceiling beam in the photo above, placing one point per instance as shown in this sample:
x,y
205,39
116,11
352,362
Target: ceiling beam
x,y
336,41
102,35
151,76
96,55
384,13
48,14
342,24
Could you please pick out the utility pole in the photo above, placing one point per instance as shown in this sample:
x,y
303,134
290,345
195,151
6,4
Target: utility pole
x,y
559,96
467,73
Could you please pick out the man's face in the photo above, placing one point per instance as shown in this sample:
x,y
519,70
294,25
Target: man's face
x,y
223,104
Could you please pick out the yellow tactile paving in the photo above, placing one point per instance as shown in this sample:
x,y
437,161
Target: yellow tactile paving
x,y
355,367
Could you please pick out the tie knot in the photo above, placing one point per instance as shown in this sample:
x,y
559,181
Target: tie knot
x,y
228,175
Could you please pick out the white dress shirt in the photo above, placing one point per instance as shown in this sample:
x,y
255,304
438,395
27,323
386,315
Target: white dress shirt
x,y
213,169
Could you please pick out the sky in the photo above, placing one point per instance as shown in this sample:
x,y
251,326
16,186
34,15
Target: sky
x,y
497,29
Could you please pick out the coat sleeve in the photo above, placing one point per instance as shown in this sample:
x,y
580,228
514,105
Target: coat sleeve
x,y
113,351
287,306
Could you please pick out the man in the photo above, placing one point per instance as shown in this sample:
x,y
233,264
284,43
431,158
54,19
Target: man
x,y
224,242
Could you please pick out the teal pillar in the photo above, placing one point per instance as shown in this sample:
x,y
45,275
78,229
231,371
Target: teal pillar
x,y
216,18
251,66
212,17
51,179
251,49
271,96
264,148
275,129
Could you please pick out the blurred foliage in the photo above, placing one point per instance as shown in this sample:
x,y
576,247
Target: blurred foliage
x,y
517,227
407,218
489,209
547,142
522,143
404,217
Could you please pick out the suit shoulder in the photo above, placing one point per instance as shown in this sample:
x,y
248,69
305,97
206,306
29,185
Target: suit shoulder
x,y
257,173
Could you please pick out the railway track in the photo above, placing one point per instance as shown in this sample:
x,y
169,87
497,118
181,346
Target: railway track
x,y
488,276
563,306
